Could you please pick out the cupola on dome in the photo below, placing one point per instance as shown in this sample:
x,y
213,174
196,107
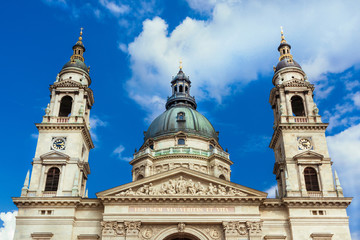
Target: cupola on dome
x,y
181,114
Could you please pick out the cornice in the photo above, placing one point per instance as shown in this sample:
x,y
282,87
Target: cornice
x,y
56,202
317,202
68,126
181,199
295,126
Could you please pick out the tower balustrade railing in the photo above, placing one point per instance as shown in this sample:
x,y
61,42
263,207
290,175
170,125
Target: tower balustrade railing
x,y
71,119
179,150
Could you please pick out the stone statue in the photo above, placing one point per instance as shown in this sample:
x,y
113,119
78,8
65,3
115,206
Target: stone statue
x,y
47,110
316,110
81,110
281,110
57,78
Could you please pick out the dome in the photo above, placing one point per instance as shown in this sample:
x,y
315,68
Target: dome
x,y
77,63
169,122
285,63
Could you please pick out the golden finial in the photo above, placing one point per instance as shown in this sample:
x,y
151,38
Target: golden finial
x,y
282,35
80,38
180,64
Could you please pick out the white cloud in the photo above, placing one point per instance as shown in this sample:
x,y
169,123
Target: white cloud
x,y
271,191
118,152
9,222
239,41
96,122
345,153
356,98
114,7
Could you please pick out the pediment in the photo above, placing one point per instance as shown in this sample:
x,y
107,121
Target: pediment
x,y
68,83
295,83
55,155
181,182
309,154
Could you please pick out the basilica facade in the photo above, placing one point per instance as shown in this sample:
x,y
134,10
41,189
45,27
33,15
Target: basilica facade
x,y
181,183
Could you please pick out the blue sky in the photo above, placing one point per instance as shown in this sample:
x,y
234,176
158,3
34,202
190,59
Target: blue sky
x,y
228,48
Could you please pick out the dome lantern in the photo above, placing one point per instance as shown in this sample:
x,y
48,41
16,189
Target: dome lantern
x,y
180,85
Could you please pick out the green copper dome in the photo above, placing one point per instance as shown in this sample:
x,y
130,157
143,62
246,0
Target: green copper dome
x,y
181,118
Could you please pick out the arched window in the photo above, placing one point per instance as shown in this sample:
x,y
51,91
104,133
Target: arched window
x,y
140,177
181,88
222,177
311,180
175,89
65,106
186,89
211,147
52,179
181,141
297,106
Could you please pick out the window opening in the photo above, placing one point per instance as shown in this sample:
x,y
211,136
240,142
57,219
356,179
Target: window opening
x,y
181,141
311,180
181,116
65,106
297,106
222,177
140,177
181,88
52,179
186,89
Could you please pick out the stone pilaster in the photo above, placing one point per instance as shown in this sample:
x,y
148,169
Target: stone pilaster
x,y
132,230
255,230
112,230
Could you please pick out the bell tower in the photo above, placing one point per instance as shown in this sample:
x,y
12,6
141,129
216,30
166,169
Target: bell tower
x,y
60,165
302,162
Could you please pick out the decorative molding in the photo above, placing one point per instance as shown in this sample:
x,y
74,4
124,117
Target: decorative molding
x,y
88,236
235,228
182,186
42,235
181,227
132,227
254,228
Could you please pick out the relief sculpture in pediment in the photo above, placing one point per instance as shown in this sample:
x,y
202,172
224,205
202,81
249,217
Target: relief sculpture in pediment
x,y
182,186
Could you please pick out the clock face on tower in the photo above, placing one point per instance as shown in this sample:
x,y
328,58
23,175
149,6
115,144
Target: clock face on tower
x,y
304,144
58,144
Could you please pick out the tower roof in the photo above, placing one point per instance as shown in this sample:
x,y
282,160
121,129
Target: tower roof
x,y
77,59
286,58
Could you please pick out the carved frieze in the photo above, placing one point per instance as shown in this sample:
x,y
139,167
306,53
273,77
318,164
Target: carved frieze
x,y
112,228
235,228
182,186
132,228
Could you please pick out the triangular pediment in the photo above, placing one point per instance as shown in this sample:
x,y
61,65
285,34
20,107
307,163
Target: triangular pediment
x,y
181,182
309,154
54,155
295,83
68,83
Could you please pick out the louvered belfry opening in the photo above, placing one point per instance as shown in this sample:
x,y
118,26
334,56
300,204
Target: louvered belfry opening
x,y
52,179
311,180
